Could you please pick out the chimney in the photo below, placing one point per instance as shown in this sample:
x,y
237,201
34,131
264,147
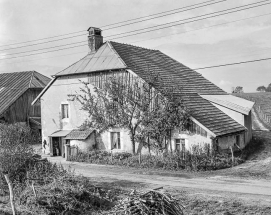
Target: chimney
x,y
95,39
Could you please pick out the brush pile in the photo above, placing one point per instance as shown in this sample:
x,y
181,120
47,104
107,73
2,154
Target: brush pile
x,y
149,203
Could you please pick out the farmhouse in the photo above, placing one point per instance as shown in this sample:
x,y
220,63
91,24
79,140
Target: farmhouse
x,y
17,91
218,118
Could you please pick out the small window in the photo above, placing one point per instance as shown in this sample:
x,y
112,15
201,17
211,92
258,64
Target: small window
x,y
237,138
115,140
65,111
180,145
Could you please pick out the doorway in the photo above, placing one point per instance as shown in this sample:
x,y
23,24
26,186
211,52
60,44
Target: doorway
x,y
57,146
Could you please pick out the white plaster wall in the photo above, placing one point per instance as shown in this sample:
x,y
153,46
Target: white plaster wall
x,y
238,117
84,145
190,139
51,107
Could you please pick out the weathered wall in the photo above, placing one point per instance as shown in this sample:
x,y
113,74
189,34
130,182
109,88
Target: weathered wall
x,y
242,119
51,102
190,139
228,141
84,145
248,125
21,109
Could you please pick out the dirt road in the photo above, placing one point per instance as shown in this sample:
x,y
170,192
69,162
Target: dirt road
x,y
249,189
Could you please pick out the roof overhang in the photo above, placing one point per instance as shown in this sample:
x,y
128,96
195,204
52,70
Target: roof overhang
x,y
43,91
231,102
60,133
79,135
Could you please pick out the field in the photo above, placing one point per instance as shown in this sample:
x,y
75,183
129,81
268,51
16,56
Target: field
x,y
262,108
261,99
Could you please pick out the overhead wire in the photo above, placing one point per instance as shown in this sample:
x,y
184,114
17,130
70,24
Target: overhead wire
x,y
198,29
114,24
155,26
187,21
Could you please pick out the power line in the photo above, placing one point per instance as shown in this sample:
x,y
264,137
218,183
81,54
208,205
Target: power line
x,y
43,42
160,25
188,21
164,15
231,64
42,49
111,24
42,52
163,27
211,26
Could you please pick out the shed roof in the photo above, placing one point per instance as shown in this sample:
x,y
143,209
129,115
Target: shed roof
x,y
13,85
232,102
78,134
60,133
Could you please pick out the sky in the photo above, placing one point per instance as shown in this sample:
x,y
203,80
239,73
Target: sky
x,y
235,37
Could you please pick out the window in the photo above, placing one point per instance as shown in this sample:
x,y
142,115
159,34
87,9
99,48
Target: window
x,y
237,139
115,140
65,111
180,145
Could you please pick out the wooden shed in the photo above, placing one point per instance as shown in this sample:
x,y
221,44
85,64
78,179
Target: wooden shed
x,y
17,91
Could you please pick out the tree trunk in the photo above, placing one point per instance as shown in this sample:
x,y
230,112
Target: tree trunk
x,y
133,141
11,195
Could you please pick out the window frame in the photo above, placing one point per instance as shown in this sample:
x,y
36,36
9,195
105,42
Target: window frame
x,y
118,145
63,112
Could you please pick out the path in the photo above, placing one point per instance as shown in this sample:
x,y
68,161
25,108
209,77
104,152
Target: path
x,y
252,189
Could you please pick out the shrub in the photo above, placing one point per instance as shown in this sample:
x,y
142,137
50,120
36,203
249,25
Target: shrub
x,y
199,158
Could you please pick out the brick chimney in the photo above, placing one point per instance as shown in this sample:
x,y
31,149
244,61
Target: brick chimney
x,y
95,39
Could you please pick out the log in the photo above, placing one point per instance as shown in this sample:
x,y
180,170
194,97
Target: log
x,y
11,194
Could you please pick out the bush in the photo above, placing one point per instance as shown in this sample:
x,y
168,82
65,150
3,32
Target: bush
x,y
197,159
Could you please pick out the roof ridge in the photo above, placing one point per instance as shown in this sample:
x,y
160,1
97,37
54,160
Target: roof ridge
x,y
132,45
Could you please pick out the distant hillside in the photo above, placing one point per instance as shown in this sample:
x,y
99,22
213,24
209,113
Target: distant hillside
x,y
262,104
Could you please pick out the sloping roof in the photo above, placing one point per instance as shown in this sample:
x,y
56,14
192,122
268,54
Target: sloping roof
x,y
211,117
232,102
60,133
143,61
79,135
104,59
13,85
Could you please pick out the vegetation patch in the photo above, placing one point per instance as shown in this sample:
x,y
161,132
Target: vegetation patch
x,y
198,159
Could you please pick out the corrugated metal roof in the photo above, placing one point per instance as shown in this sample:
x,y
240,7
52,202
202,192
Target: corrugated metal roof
x,y
60,133
79,135
104,59
13,85
231,102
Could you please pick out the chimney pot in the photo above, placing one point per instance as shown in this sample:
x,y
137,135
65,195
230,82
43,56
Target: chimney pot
x,y
95,39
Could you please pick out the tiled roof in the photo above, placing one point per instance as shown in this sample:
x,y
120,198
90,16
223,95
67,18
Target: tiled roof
x,y
78,134
13,85
211,117
142,61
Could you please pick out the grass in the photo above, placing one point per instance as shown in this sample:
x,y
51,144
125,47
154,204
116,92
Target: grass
x,y
262,99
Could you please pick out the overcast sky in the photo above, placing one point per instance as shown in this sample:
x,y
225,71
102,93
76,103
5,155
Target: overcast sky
x,y
194,44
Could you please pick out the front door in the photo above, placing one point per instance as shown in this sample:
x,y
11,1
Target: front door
x,y
56,146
